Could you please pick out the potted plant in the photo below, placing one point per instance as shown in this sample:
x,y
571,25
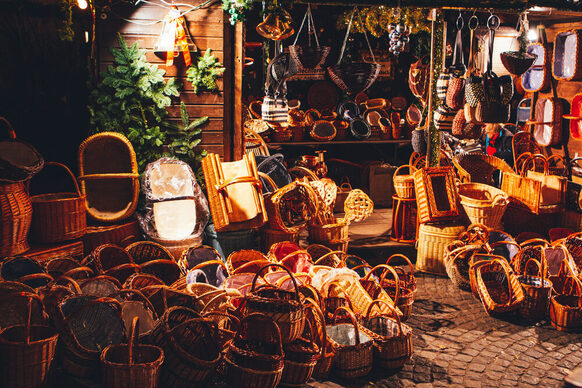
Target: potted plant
x,y
518,62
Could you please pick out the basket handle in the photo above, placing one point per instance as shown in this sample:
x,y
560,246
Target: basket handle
x,y
240,179
345,183
140,295
232,318
508,272
69,280
410,167
535,241
337,285
317,309
133,339
341,255
113,175
79,270
396,281
390,307
11,133
538,266
222,294
572,279
268,179
520,161
210,262
286,270
29,298
362,266
295,253
69,172
403,257
352,319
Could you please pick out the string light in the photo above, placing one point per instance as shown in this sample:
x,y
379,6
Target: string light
x,y
82,4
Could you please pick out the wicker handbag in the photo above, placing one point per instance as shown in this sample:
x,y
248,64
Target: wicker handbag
x,y
191,352
254,358
354,347
354,77
284,307
234,193
499,288
132,365
308,57
28,352
553,187
566,309
418,78
567,60
109,177
59,216
548,121
392,338
436,194
538,77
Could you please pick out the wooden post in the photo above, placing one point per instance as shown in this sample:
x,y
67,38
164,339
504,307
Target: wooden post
x,y
432,158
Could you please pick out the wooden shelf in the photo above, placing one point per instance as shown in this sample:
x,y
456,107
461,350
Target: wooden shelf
x,y
326,143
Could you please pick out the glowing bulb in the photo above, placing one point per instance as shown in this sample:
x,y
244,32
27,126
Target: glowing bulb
x,y
82,4
532,35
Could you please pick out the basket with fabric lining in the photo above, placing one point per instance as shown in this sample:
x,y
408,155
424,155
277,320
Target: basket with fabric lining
x,y
352,360
538,291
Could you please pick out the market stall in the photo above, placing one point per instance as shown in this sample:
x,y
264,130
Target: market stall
x,y
217,250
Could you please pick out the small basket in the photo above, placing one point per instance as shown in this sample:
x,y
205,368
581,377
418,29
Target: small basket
x,y
254,358
334,236
404,184
190,348
301,357
284,307
58,217
566,309
106,257
392,338
538,290
19,161
132,365
483,204
351,360
431,244
144,251
281,135
15,218
27,352
498,287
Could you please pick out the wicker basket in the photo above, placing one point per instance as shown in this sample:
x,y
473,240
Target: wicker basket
x,y
272,236
27,353
566,309
19,161
58,216
351,360
479,168
432,242
392,338
144,251
15,218
109,177
498,287
132,365
404,184
249,365
291,207
301,357
190,348
119,234
538,290
483,204
334,236
284,307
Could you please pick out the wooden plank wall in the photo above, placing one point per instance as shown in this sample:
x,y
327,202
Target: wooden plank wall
x,y
207,27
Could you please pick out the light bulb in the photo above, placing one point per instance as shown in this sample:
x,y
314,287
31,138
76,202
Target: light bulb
x,y
532,35
82,4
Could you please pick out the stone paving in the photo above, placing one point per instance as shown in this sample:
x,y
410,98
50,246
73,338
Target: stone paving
x,y
457,344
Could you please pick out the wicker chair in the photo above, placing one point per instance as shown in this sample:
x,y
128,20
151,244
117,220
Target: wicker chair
x,y
475,167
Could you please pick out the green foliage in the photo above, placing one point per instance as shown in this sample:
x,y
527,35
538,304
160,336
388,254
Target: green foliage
x,y
131,99
522,40
183,140
204,71
237,9
66,32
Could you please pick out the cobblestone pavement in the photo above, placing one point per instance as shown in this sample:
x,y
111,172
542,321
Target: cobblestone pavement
x,y
457,343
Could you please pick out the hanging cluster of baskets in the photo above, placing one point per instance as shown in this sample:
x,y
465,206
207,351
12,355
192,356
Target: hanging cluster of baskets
x,y
137,316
